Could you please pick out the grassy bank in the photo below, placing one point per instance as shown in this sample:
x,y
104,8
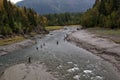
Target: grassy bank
x,y
11,40
15,39
107,33
51,28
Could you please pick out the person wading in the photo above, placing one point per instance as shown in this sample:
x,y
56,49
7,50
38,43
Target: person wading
x,y
57,42
36,48
29,59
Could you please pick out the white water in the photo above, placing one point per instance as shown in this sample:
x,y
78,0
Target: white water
x,y
87,71
73,69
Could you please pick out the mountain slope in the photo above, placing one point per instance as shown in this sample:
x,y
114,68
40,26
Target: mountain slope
x,y
57,6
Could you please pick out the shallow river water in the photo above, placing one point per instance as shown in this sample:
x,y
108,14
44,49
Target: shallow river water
x,y
64,60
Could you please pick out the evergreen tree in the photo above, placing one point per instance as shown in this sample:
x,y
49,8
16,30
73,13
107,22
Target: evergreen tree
x,y
16,20
107,14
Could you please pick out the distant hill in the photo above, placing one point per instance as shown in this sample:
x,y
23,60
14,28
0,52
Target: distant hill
x,y
57,6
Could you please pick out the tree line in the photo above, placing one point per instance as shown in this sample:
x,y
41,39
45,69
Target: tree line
x,y
19,20
63,19
105,13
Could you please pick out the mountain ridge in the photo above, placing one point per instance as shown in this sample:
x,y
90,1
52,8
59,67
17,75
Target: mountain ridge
x,y
57,6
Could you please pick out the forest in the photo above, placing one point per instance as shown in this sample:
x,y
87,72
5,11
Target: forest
x,y
16,20
63,19
104,13
21,20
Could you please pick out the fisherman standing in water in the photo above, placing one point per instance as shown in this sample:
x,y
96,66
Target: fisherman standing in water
x,y
57,42
29,59
36,48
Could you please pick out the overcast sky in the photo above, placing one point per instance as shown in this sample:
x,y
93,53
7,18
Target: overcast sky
x,y
15,1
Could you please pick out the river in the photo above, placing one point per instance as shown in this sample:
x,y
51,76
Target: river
x,y
64,60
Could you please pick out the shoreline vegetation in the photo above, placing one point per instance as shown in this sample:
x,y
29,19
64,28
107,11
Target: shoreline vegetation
x,y
25,20
19,38
11,40
51,28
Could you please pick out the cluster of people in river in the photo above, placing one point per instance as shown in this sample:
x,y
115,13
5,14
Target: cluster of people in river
x,y
44,44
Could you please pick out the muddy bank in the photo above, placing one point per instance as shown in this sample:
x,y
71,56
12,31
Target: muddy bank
x,y
16,46
105,48
33,71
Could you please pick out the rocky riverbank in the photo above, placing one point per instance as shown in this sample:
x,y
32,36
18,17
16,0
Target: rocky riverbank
x,y
16,46
102,47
